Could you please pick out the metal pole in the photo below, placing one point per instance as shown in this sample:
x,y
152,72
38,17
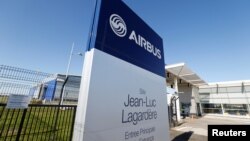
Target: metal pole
x,y
59,107
70,56
67,72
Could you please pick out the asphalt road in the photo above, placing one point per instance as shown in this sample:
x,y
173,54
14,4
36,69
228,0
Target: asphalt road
x,y
186,136
195,129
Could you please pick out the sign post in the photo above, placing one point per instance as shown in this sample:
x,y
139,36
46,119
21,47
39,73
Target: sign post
x,y
122,94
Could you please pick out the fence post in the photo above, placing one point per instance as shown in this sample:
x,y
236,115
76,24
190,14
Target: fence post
x,y
73,124
59,105
21,125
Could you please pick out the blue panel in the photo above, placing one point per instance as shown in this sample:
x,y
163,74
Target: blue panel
x,y
118,31
50,91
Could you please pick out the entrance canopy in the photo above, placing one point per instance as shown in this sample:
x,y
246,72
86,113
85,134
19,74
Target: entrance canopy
x,y
182,72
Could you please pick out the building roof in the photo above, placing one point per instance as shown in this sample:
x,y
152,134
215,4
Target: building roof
x,y
182,71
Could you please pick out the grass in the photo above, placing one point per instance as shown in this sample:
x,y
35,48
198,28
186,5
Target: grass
x,y
3,99
41,123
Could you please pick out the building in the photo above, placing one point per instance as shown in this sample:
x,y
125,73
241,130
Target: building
x,y
197,97
52,90
226,98
185,83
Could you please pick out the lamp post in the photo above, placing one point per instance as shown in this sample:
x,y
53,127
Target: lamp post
x,y
70,56
67,73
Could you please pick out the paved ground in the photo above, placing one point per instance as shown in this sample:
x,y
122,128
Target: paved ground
x,y
196,129
186,136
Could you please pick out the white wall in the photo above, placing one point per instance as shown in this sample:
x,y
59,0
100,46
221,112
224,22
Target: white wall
x,y
185,94
189,95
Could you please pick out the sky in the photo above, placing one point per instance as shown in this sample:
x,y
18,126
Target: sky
x,y
211,36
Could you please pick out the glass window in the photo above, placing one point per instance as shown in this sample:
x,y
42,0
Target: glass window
x,y
247,88
212,111
235,109
211,105
235,106
222,90
205,100
206,90
212,108
204,97
234,89
204,94
214,90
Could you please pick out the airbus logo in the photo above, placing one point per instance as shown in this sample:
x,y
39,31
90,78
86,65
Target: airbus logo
x,y
119,27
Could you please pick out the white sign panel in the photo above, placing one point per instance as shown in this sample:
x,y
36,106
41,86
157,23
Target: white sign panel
x,y
122,103
18,101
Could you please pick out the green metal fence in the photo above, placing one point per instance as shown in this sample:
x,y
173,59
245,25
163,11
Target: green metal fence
x,y
38,123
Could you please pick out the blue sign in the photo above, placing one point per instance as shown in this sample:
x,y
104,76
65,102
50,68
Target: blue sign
x,y
125,48
123,34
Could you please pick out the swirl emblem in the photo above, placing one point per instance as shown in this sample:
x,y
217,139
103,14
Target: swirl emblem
x,y
118,25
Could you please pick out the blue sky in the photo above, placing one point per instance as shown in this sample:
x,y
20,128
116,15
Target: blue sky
x,y
211,36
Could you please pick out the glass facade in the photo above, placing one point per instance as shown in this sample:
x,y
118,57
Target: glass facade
x,y
204,97
235,109
226,100
212,108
